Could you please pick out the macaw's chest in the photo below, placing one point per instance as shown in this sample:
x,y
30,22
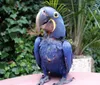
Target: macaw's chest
x,y
51,53
50,50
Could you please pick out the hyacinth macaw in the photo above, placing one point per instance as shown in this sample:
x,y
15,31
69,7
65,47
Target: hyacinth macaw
x,y
52,52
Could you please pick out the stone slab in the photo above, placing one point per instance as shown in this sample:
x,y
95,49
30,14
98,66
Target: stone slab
x,y
81,78
85,64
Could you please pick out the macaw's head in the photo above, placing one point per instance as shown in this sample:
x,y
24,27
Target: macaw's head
x,y
51,21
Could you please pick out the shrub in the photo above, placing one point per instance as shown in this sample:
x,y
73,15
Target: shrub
x,y
16,45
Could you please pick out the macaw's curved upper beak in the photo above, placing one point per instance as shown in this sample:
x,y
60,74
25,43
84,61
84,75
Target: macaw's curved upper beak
x,y
45,22
41,19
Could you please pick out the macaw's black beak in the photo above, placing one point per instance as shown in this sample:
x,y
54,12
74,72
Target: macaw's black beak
x,y
41,19
45,22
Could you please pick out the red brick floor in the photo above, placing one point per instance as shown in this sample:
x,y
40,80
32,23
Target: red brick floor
x,y
81,78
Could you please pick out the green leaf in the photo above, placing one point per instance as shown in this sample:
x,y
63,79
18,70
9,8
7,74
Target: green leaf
x,y
11,21
18,40
23,64
7,49
5,38
22,70
13,64
6,9
22,20
27,70
36,7
0,53
2,71
14,15
7,68
96,44
15,70
13,35
7,75
3,33
96,21
17,29
4,55
2,65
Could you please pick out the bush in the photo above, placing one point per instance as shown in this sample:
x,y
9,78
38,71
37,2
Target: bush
x,y
16,46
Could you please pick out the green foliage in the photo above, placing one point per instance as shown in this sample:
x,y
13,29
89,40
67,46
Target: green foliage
x,y
55,4
96,56
16,45
95,53
92,30
94,33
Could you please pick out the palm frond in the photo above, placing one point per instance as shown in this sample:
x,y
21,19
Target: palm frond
x,y
46,3
88,44
94,17
52,3
59,7
95,44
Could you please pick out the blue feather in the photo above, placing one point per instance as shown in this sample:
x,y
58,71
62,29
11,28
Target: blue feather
x,y
36,51
67,50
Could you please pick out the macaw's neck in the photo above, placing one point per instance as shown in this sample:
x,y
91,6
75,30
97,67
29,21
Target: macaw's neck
x,y
48,35
58,33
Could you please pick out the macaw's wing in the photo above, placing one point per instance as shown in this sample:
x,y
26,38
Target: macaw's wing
x,y
36,51
67,50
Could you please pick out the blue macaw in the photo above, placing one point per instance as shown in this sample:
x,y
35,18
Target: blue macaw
x,y
52,52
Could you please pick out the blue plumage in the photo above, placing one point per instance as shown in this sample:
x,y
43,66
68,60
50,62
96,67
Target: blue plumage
x,y
53,54
36,51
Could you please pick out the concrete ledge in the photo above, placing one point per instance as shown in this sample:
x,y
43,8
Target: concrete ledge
x,y
81,78
83,64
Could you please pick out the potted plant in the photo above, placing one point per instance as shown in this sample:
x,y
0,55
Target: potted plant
x,y
79,19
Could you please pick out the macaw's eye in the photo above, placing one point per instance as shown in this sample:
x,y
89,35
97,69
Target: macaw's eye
x,y
44,11
56,14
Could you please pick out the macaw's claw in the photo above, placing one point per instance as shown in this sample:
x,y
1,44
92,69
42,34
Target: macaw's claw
x,y
43,80
63,81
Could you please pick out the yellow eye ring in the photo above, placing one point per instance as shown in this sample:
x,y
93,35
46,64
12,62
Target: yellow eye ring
x,y
56,14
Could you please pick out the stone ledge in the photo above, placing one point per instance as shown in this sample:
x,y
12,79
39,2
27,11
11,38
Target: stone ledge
x,y
83,64
81,78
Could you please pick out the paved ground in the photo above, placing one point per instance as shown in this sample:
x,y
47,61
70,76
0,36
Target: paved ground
x,y
81,78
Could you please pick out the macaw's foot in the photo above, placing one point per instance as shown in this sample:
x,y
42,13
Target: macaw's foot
x,y
43,80
63,81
